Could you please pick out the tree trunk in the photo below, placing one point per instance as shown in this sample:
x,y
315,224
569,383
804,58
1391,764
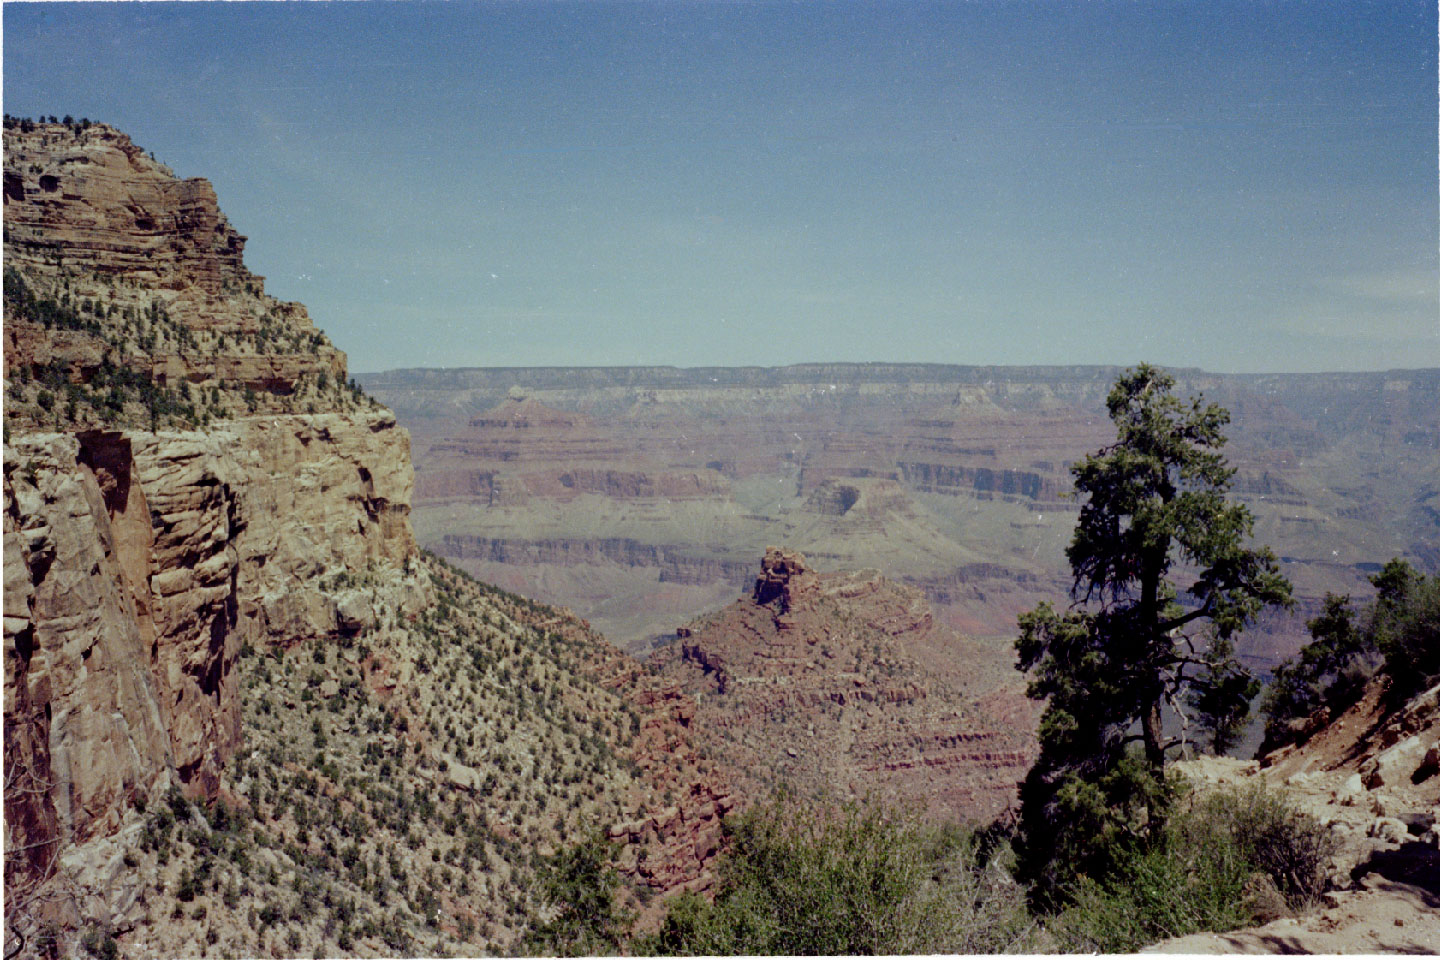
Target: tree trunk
x,y
1152,727
1150,721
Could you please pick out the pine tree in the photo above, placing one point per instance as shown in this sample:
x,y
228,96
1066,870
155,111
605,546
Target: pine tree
x,y
1128,648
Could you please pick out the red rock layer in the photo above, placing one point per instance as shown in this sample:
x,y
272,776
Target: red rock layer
x,y
829,683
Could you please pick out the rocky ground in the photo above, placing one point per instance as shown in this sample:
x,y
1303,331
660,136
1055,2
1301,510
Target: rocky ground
x,y
1374,775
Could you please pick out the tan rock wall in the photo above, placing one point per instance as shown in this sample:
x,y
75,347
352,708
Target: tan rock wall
x,y
136,567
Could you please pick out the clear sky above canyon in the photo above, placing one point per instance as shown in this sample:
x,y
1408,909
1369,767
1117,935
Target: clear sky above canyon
x,y
1236,186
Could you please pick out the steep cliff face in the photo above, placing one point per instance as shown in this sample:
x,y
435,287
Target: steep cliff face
x,y
128,301
139,563
194,503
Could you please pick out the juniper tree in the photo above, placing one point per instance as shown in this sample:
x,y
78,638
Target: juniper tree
x,y
1134,640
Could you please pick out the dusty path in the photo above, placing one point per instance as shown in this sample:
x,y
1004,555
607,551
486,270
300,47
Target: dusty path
x,y
1384,915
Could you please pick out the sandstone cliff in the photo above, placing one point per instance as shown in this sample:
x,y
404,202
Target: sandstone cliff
x,y
194,502
138,563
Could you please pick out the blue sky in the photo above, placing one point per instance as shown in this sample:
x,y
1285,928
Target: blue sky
x,y
1236,186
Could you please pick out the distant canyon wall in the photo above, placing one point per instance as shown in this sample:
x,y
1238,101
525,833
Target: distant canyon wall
x,y
951,478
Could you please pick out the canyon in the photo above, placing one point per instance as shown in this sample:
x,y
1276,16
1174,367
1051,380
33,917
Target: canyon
x,y
641,496
272,690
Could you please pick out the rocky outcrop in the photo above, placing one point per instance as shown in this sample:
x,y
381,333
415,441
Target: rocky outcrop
x,y
1371,774
137,566
785,578
139,563
113,264
832,682
982,481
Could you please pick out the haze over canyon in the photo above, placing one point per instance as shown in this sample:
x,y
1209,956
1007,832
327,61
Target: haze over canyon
x,y
644,496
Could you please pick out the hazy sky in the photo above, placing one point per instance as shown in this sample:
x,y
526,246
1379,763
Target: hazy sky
x,y
1237,186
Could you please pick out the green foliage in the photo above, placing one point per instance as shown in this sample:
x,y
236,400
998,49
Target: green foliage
x,y
858,880
1222,704
1405,624
1398,632
21,302
1154,500
1206,871
1330,671
578,886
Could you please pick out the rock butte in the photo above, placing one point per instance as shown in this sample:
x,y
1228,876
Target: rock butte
x,y
843,685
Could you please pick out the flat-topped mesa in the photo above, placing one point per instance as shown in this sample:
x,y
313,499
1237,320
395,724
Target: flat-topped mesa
x,y
128,284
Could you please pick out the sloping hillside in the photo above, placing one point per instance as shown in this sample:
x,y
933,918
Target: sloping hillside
x,y
243,713
1373,773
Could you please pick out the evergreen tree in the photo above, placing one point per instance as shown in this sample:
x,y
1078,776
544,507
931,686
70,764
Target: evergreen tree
x,y
578,887
1154,506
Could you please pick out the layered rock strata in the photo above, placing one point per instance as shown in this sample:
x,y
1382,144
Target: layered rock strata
x,y
187,478
835,683
126,291
952,479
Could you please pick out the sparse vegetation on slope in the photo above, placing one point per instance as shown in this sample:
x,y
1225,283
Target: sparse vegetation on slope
x,y
394,790
126,327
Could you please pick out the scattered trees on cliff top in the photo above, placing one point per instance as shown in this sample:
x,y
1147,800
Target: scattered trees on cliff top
x,y
1128,648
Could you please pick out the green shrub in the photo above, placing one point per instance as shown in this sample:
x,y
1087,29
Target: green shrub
x,y
1405,622
861,879
578,891
1201,874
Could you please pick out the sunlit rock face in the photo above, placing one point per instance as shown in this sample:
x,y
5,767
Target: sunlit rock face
x,y
188,477
139,562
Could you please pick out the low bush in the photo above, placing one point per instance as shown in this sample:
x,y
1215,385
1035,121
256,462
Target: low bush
x,y
578,889
1216,866
860,879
